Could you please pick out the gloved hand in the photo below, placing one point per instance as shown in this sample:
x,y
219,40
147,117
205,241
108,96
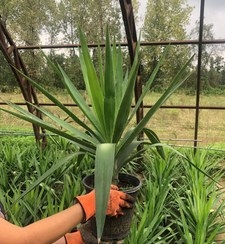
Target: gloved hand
x,y
117,200
74,238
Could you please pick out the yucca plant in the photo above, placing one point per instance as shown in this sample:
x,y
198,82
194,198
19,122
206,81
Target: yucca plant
x,y
108,134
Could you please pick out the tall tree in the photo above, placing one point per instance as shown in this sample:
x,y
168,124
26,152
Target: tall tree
x,y
26,20
51,23
212,65
209,49
165,20
29,21
136,5
6,9
91,16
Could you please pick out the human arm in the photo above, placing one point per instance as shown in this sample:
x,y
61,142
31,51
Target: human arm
x,y
117,201
53,228
44,231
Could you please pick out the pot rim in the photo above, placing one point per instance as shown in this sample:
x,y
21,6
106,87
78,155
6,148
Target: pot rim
x,y
132,189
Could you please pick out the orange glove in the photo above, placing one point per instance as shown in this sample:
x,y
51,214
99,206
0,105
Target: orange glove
x,y
74,238
87,203
117,200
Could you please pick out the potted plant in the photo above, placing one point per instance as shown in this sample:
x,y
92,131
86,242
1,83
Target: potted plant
x,y
107,135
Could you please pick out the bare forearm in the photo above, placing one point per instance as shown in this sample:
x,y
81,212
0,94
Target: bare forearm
x,y
52,229
45,231
56,226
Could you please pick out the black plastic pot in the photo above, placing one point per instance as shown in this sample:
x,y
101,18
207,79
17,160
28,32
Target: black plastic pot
x,y
116,228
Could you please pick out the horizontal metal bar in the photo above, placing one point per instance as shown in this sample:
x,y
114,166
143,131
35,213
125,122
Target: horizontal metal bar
x,y
153,43
21,133
201,148
145,106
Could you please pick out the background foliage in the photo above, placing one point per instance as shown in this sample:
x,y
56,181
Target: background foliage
x,y
176,204
34,22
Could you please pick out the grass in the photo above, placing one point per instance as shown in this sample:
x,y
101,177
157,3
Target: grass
x,y
175,126
177,204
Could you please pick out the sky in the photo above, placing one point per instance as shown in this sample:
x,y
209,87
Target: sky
x,y
214,14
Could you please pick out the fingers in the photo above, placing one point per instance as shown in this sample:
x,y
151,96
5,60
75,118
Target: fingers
x,y
127,197
126,200
125,204
117,201
119,212
123,196
114,187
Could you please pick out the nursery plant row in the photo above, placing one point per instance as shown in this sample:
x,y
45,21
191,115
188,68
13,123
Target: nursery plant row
x,y
176,204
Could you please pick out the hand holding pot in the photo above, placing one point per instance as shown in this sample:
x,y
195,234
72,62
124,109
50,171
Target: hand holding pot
x,y
117,201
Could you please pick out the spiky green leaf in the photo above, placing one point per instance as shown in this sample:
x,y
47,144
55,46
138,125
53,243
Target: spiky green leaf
x,y
104,166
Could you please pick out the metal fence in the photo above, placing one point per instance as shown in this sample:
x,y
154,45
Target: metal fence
x,y
128,18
